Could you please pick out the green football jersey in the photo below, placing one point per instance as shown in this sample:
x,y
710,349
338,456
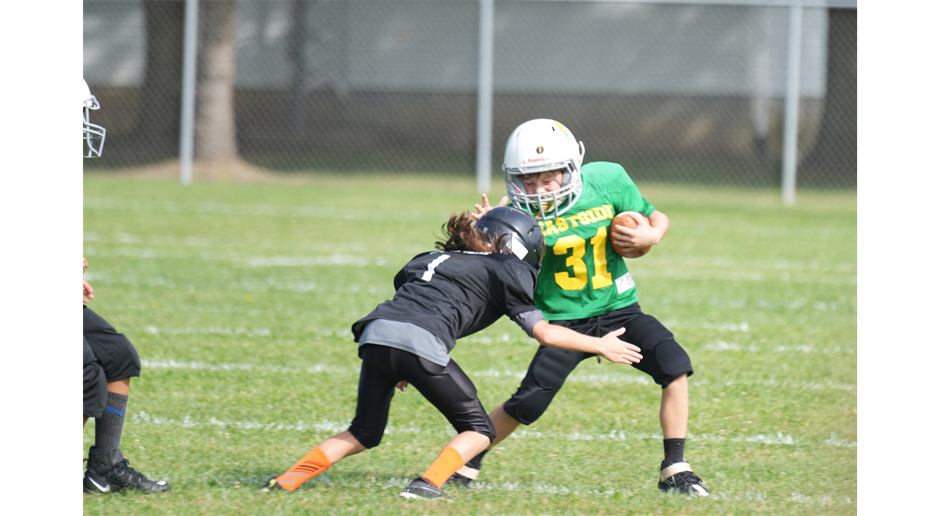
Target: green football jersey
x,y
582,276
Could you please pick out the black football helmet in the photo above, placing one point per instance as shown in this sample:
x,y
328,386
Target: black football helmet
x,y
525,238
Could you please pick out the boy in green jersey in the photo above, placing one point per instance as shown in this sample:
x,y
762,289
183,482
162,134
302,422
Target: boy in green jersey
x,y
585,285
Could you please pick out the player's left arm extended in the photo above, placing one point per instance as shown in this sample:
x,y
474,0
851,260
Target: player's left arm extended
x,y
609,346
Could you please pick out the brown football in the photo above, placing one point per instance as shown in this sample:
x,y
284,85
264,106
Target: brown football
x,y
624,219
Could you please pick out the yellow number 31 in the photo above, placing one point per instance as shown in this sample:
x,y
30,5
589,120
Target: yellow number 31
x,y
575,262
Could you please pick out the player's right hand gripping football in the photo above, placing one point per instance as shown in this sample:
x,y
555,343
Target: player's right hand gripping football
x,y
619,351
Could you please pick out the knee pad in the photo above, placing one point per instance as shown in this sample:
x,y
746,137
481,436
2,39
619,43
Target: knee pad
x,y
673,362
546,376
528,408
482,425
113,351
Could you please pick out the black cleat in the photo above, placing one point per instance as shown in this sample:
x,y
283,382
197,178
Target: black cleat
x,y
459,480
465,476
678,478
94,483
114,468
421,488
271,485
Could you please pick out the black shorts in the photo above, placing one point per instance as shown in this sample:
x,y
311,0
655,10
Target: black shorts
x,y
447,388
96,385
663,359
114,352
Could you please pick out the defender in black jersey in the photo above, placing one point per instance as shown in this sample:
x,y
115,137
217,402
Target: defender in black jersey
x,y
482,272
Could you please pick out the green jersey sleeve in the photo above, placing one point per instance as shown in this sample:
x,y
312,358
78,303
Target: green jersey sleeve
x,y
622,191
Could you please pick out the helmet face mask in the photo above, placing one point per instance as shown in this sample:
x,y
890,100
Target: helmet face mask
x,y
92,135
542,205
543,145
523,235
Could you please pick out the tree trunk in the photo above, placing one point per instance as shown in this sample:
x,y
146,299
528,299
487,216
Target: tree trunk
x,y
157,124
836,152
215,96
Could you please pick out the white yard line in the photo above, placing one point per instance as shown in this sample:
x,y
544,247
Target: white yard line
x,y
614,435
770,348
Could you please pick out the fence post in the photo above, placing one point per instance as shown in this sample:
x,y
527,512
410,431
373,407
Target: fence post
x,y
485,97
792,108
188,109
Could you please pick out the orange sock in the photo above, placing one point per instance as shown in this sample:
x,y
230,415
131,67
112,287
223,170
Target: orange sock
x,y
310,466
445,465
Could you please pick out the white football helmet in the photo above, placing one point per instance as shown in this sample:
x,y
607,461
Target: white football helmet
x,y
542,145
92,135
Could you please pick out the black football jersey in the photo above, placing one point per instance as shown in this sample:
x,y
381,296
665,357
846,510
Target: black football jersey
x,y
453,294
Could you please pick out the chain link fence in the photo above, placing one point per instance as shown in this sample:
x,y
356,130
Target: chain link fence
x,y
680,92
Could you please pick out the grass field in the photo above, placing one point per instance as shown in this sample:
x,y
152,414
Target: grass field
x,y
239,299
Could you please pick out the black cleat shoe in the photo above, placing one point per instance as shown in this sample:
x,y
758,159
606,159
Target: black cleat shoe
x,y
459,480
114,468
271,485
421,488
678,478
94,483
465,476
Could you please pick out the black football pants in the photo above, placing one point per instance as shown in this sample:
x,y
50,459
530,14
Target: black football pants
x,y
663,359
447,388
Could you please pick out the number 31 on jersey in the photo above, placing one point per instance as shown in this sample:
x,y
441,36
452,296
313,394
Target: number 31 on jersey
x,y
578,265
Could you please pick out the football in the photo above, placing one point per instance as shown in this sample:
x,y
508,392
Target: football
x,y
624,219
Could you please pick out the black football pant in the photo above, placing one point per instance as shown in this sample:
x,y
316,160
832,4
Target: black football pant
x,y
108,357
663,359
447,388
